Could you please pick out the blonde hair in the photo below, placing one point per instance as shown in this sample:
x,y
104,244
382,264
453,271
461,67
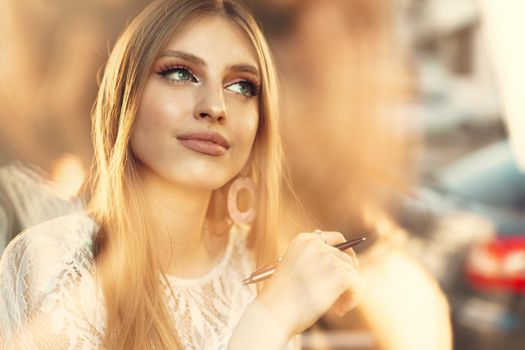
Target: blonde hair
x,y
127,269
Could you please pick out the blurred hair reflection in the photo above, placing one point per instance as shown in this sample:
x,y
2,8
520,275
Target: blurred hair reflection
x,y
352,142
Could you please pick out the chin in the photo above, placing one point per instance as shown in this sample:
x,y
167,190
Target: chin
x,y
201,180
205,184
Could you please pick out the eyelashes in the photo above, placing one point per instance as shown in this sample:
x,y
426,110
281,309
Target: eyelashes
x,y
245,87
179,74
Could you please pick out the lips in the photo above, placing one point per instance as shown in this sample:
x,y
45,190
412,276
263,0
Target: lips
x,y
210,143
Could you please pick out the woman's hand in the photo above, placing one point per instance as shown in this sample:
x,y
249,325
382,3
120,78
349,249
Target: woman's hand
x,y
312,277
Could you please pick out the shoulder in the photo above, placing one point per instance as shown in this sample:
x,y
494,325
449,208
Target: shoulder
x,y
63,234
27,198
47,249
47,274
34,197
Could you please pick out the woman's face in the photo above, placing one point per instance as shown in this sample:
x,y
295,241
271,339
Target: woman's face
x,y
198,115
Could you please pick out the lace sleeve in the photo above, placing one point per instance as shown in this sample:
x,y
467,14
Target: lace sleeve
x,y
48,296
27,198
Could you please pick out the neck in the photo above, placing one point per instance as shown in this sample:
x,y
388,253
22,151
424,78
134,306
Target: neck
x,y
178,215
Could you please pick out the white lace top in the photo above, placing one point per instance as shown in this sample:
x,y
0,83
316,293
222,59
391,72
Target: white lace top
x,y
50,300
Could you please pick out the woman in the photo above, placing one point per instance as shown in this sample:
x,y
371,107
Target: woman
x,y
184,120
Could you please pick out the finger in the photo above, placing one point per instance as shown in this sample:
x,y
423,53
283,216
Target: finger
x,y
352,286
332,237
354,296
347,258
347,279
351,253
343,304
346,302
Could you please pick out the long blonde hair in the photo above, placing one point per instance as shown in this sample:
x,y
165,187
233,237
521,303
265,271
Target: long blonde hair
x,y
127,270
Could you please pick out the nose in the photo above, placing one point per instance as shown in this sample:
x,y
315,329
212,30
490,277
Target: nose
x,y
212,105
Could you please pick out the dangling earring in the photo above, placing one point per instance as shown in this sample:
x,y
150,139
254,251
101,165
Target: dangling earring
x,y
239,184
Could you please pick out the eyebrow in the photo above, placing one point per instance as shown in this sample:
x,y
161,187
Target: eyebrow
x,y
244,68
185,56
248,68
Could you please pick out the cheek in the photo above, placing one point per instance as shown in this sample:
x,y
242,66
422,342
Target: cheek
x,y
246,130
251,122
158,111
244,116
157,117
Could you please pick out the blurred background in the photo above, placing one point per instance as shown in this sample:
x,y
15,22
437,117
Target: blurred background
x,y
405,89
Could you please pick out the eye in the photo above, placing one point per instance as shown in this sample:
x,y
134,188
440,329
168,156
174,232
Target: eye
x,y
178,74
244,87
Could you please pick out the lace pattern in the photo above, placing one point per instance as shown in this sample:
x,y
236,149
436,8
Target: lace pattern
x,y
27,198
50,299
206,310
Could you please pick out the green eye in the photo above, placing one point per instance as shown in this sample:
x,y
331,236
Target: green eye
x,y
179,74
244,88
182,74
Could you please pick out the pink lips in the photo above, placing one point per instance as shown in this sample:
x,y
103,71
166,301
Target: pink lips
x,y
211,143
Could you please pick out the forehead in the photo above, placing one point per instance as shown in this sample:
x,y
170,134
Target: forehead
x,y
216,40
